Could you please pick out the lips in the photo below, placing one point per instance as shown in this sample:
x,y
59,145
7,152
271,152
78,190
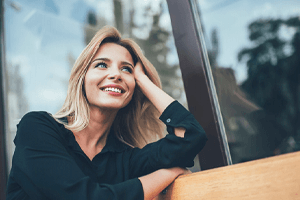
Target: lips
x,y
113,88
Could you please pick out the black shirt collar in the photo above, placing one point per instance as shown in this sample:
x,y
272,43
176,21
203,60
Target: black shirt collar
x,y
113,144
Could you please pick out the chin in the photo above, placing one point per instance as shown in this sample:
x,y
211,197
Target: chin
x,y
115,105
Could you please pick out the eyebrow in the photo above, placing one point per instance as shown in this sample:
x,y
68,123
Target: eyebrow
x,y
108,60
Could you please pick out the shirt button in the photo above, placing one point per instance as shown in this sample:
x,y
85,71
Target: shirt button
x,y
168,120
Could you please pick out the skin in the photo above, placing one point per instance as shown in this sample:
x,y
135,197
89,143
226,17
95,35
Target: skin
x,y
157,96
112,66
155,182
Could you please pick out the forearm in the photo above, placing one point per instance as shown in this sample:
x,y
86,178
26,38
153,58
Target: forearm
x,y
158,97
157,181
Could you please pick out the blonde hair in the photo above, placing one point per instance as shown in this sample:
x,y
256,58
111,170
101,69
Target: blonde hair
x,y
136,124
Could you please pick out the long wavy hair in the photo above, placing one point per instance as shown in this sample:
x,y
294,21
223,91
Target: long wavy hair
x,y
136,124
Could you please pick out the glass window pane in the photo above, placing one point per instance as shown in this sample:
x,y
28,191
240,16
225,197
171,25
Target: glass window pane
x,y
43,39
253,48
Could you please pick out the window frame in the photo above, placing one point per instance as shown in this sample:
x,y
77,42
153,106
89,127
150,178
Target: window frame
x,y
3,160
198,81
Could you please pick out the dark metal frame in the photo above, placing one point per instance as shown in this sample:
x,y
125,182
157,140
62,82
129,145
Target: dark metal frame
x,y
3,164
198,81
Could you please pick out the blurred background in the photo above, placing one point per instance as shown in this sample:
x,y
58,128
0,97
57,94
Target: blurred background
x,y
253,48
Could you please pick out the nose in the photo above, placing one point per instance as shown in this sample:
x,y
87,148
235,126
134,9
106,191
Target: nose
x,y
114,74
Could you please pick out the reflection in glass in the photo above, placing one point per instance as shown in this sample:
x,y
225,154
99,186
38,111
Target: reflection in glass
x,y
43,39
254,49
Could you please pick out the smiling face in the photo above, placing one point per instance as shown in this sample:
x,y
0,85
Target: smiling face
x,y
109,82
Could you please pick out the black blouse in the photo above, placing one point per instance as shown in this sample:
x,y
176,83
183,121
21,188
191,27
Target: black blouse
x,y
49,164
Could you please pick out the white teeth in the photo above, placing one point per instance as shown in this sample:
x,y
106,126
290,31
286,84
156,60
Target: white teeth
x,y
113,89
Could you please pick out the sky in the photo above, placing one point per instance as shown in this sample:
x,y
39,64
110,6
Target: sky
x,y
41,34
39,40
231,18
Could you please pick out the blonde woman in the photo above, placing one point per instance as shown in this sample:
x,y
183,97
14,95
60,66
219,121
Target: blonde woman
x,y
98,145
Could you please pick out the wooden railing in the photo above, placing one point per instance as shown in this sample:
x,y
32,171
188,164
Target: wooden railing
x,y
274,178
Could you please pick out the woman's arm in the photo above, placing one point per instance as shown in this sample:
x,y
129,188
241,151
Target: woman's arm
x,y
157,96
155,182
170,151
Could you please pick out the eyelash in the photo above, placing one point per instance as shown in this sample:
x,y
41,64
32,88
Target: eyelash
x,y
105,65
128,68
102,63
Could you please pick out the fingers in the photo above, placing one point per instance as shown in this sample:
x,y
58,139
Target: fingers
x,y
139,69
139,73
180,171
186,171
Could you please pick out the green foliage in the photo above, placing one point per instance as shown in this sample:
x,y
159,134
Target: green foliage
x,y
156,49
155,46
273,65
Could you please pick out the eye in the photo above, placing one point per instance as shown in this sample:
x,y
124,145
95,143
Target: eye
x,y
101,65
127,69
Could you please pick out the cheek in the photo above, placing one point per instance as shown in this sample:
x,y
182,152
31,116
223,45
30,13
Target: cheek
x,y
132,85
88,85
86,91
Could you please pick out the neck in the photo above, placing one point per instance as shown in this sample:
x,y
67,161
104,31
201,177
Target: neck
x,y
92,139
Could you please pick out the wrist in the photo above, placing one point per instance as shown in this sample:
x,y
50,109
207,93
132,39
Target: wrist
x,y
175,171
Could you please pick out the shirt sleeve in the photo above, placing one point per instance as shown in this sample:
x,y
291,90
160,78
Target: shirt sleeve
x,y
170,151
45,170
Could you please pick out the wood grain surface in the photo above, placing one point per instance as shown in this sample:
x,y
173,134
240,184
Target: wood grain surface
x,y
274,178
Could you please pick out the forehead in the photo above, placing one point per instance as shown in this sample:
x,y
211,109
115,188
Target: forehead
x,y
113,52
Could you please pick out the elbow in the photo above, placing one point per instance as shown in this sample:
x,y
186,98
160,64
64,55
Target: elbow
x,y
202,139
199,138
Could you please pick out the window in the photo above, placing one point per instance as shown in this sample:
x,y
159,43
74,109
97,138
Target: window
x,y
253,48
43,39
238,61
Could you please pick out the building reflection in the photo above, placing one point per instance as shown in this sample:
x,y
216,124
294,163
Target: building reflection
x,y
261,111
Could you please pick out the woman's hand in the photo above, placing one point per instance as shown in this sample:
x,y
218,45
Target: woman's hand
x,y
155,182
186,171
157,96
139,72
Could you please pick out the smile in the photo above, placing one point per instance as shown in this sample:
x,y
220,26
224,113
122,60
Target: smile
x,y
117,90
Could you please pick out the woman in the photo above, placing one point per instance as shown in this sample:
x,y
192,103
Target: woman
x,y
94,147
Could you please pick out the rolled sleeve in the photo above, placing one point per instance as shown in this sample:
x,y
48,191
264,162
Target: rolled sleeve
x,y
173,151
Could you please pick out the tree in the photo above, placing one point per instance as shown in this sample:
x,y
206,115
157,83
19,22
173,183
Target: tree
x,y
118,12
213,53
273,81
154,46
156,50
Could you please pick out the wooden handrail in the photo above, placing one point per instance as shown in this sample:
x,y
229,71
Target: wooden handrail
x,y
273,178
